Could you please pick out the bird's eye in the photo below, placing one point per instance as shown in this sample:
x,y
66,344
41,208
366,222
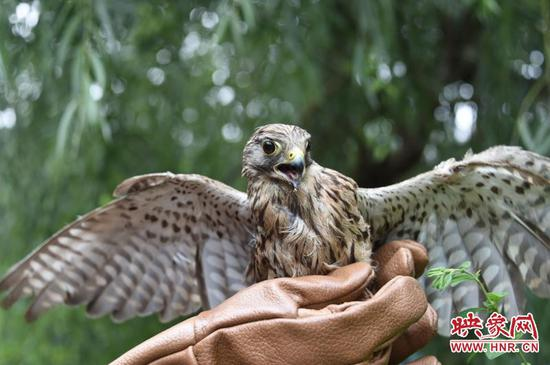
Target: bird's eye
x,y
269,147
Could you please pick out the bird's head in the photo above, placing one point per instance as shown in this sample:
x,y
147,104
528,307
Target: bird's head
x,y
278,151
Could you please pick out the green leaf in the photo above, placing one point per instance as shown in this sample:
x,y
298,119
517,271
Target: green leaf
x,y
105,20
225,18
97,68
358,62
236,29
490,6
496,297
434,272
63,129
462,277
447,279
66,40
525,134
248,12
491,307
77,69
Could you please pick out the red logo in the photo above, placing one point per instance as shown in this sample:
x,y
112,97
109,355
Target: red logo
x,y
497,334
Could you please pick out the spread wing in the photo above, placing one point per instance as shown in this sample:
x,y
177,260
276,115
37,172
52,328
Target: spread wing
x,y
169,244
491,209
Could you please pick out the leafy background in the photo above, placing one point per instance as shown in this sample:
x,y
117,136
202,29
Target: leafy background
x,y
94,91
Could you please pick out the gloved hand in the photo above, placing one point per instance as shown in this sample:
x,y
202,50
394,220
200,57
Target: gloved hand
x,y
407,258
308,320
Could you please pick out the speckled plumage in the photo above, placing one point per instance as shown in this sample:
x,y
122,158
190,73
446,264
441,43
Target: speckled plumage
x,y
306,230
310,230
171,244
491,208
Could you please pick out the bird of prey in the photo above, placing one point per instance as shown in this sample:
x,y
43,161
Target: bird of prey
x,y
173,243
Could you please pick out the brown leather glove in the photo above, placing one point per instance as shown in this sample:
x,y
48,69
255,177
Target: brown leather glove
x,y
407,258
307,320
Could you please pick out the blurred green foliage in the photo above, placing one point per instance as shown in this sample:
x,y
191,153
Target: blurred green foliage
x,y
92,92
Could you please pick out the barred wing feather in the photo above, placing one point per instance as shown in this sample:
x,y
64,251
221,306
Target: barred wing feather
x,y
491,209
169,244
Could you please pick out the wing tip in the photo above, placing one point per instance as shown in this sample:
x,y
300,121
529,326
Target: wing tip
x,y
4,284
11,277
31,316
15,292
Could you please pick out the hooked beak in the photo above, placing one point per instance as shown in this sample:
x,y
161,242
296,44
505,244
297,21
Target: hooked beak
x,y
293,168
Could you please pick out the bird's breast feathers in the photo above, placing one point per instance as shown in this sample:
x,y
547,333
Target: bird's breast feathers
x,y
309,230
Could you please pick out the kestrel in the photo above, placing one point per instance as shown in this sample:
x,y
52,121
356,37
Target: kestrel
x,y
175,243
